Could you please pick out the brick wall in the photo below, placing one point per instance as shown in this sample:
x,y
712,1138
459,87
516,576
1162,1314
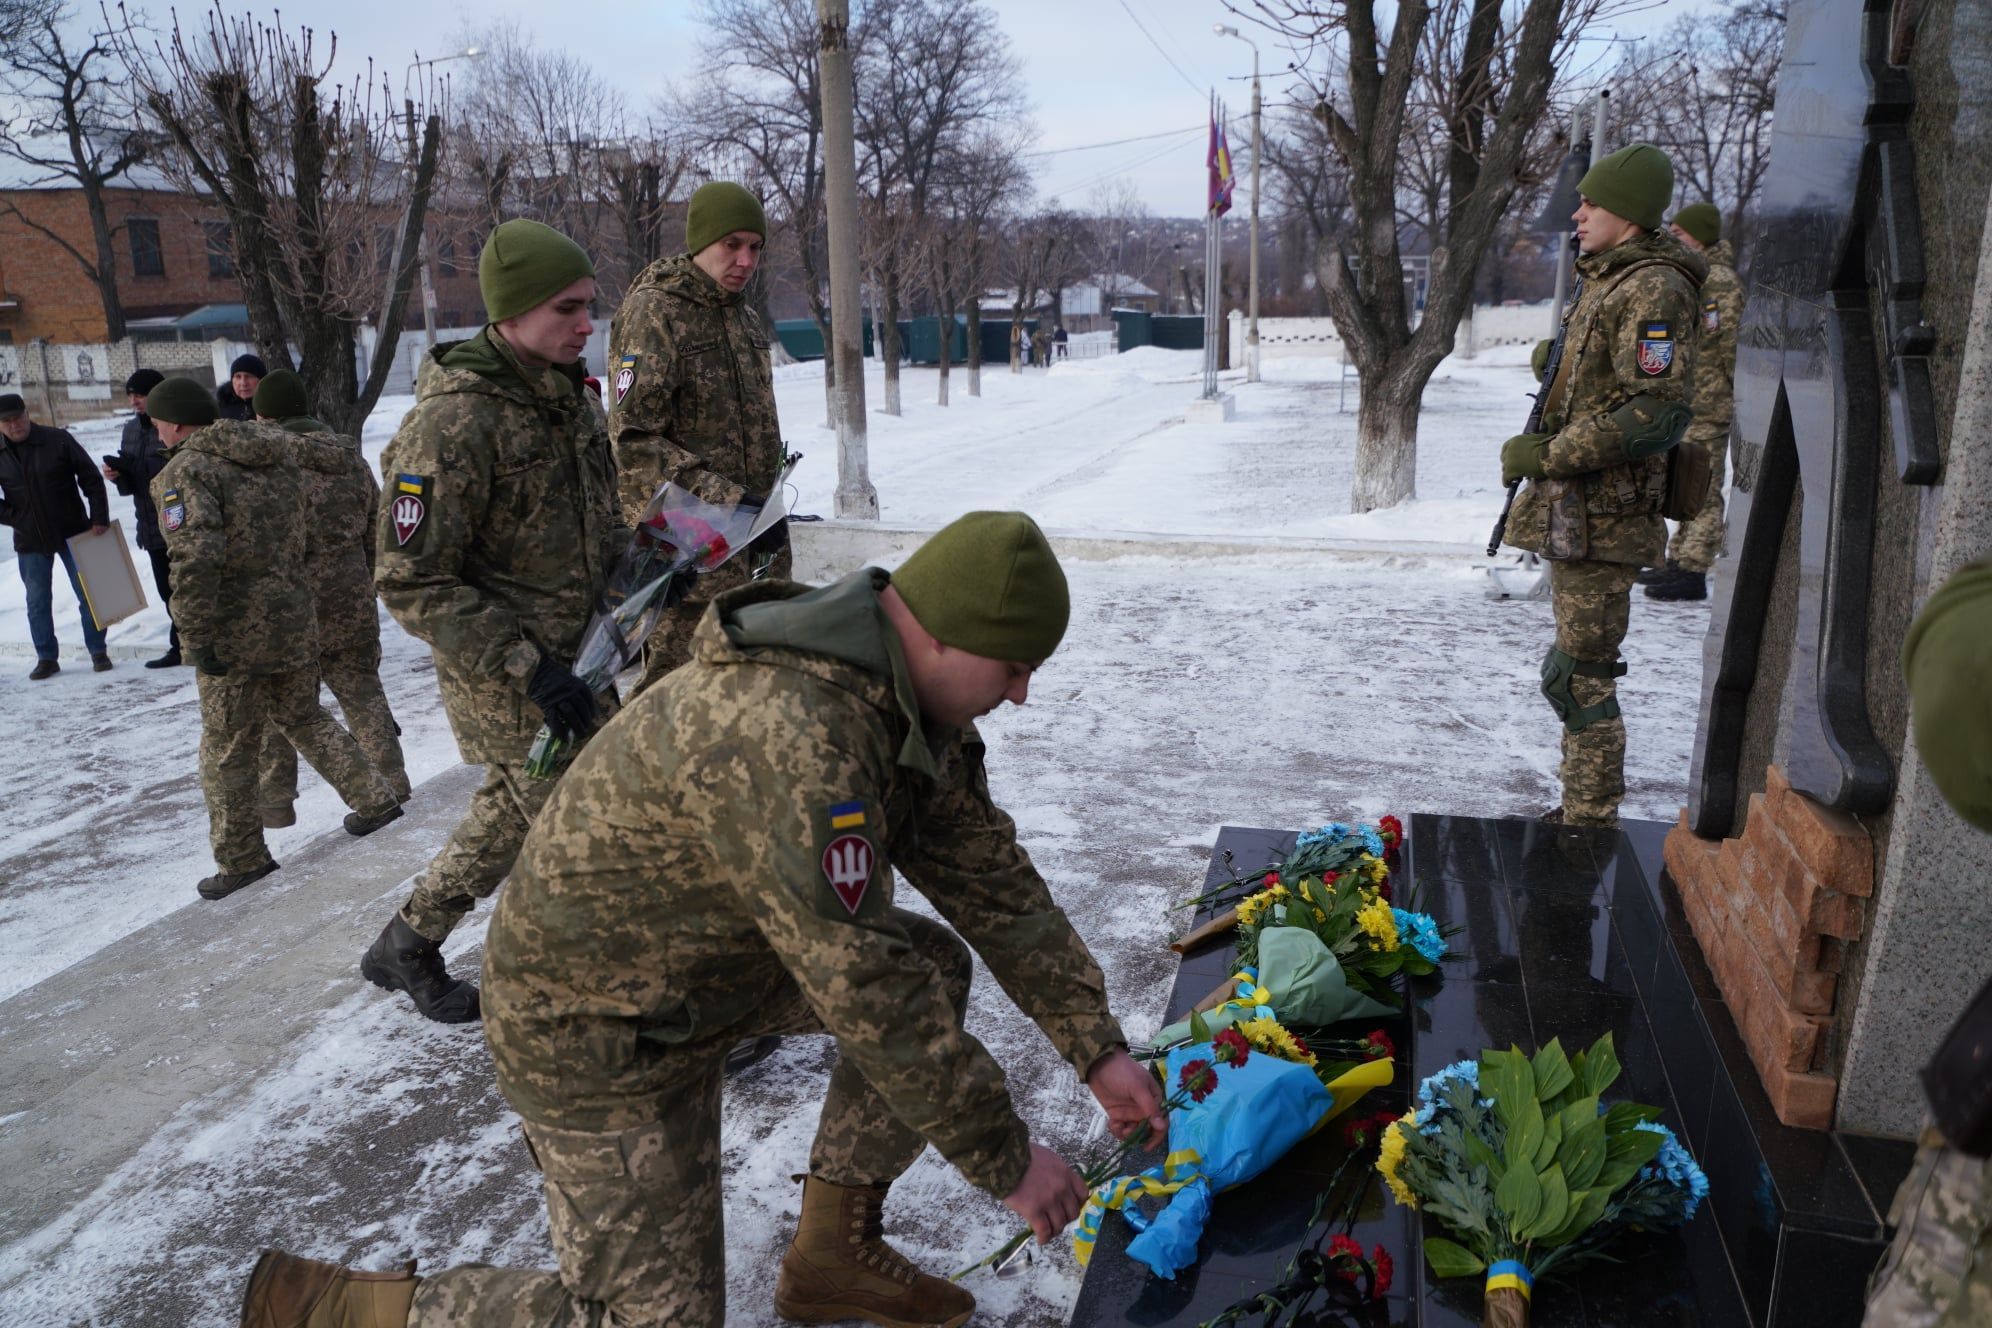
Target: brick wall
x,y
1774,911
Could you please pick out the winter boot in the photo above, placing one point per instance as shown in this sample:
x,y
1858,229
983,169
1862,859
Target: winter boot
x,y
1678,584
227,883
839,1267
1650,575
288,1292
360,824
751,1051
44,668
100,663
403,959
169,660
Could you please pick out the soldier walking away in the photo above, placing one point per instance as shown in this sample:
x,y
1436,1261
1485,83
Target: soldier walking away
x,y
235,399
140,456
1698,541
45,480
692,394
231,502
494,546
721,862
1598,472
342,503
1060,340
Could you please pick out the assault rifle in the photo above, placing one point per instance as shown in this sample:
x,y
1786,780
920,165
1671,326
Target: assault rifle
x,y
1549,369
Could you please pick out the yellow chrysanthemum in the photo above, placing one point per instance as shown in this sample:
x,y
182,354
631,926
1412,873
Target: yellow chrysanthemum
x,y
1390,1156
1377,921
1267,1034
1252,907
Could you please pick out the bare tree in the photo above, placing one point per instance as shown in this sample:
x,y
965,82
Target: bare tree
x,y
1121,239
1039,255
325,206
1397,91
980,180
66,114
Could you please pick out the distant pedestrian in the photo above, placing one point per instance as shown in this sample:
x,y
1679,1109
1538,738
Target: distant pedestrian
x,y
45,480
1041,347
141,456
234,399
1059,339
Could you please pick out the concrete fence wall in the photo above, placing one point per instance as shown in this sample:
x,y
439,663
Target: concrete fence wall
x,y
1493,325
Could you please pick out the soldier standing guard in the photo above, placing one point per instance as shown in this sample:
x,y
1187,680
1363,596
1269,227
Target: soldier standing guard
x,y
692,394
498,536
1598,474
720,863
1698,541
231,504
342,499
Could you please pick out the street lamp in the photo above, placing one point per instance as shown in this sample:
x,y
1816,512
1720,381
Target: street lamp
x,y
422,237
1252,295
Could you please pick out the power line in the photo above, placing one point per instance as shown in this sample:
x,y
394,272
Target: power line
x,y
1110,143
1194,87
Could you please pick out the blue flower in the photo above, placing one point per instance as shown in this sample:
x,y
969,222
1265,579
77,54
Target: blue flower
x,y
1332,833
1372,841
1430,1092
1418,931
1678,1167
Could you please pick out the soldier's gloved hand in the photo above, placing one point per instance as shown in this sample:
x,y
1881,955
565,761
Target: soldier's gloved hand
x,y
1539,357
1050,1196
1521,457
203,658
564,699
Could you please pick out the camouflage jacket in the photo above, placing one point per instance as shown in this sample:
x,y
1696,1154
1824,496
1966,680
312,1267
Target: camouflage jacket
x,y
691,389
738,827
1715,349
231,505
1629,333
342,501
498,532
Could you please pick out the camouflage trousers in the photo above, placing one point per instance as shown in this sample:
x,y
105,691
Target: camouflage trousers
x,y
480,851
671,644
635,1214
235,708
1938,1270
1593,606
353,677
1697,542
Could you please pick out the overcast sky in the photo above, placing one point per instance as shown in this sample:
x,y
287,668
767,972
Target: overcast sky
x,y
1092,74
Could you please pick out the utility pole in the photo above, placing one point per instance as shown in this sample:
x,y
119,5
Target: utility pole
x,y
424,260
1563,258
1252,293
855,495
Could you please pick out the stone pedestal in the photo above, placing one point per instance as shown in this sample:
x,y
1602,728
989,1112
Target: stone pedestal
x,y
1211,410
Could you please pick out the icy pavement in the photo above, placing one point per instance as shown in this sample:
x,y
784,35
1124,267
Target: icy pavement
x,y
187,1081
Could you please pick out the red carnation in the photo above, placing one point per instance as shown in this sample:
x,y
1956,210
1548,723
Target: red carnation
x,y
1362,1131
1230,1047
1345,1256
1383,890
1379,1046
1392,831
1385,1268
1198,1079
1272,879
1330,877
1300,1044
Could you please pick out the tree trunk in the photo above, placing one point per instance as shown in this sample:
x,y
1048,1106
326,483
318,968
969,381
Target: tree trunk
x,y
1386,439
107,263
890,344
972,312
944,331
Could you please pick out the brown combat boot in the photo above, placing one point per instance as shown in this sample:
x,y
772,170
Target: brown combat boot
x,y
840,1267
286,1291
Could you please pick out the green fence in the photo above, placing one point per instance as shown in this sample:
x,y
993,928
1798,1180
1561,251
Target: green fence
x,y
801,339
1169,331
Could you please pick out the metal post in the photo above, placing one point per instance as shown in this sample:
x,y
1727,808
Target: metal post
x,y
855,495
1567,256
1252,300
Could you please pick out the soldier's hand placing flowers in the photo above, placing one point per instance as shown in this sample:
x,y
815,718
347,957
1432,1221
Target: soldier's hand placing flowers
x,y
1128,1093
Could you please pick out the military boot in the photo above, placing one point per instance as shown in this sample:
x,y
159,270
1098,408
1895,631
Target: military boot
x,y
1678,584
224,884
359,824
403,959
839,1267
288,1292
1652,575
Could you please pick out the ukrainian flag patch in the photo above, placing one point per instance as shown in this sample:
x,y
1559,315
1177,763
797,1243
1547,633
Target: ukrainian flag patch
x,y
415,484
847,815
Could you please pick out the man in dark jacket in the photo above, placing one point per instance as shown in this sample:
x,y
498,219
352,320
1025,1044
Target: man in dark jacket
x,y
140,457
235,399
45,476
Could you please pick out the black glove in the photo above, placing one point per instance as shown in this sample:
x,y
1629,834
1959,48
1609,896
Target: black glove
x,y
205,660
679,586
752,502
564,699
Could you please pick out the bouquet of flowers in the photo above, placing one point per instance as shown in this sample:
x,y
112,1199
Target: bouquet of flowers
x,y
1297,981
680,537
1523,1162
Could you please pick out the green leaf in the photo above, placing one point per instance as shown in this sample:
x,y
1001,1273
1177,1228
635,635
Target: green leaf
x,y
1601,1066
1524,1136
1625,1154
1577,1115
1622,1116
1555,1205
1586,1207
1199,1027
1552,1071
1552,1139
1417,965
1481,1155
1519,1199
1450,1260
1583,1154
1383,965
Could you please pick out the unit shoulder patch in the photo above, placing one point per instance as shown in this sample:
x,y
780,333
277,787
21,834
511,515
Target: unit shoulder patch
x,y
850,859
625,377
1656,348
174,514
410,506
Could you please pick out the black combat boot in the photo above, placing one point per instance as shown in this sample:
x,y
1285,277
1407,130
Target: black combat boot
x,y
100,662
169,660
1679,584
403,959
1649,575
44,668
360,824
752,1051
227,883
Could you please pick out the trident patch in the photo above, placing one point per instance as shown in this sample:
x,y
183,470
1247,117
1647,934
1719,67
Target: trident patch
x,y
409,507
625,377
847,865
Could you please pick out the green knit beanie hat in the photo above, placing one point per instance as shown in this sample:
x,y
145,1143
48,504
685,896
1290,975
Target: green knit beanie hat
x,y
280,396
526,264
989,584
717,210
1636,183
180,401
1947,660
1701,220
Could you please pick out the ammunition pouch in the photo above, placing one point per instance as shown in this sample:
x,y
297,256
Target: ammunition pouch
x,y
1649,426
1690,475
1559,669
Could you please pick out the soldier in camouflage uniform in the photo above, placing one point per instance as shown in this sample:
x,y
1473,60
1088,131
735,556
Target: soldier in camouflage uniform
x,y
1598,474
231,505
496,541
342,500
692,394
1698,541
720,863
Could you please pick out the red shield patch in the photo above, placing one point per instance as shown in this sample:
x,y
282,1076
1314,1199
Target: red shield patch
x,y
408,513
847,865
1655,357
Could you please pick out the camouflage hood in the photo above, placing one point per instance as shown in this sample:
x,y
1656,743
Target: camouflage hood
x,y
681,277
243,442
838,633
304,424
1720,254
1658,244
485,365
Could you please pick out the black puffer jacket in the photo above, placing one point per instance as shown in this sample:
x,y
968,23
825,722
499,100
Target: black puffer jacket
x,y
232,407
39,489
141,456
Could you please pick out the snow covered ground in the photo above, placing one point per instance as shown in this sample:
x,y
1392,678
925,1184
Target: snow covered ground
x,y
1279,689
